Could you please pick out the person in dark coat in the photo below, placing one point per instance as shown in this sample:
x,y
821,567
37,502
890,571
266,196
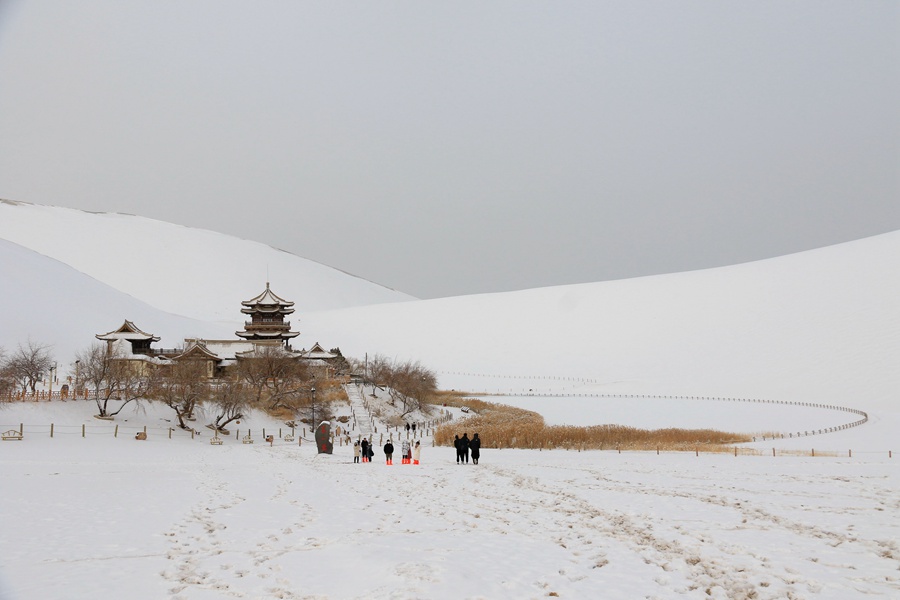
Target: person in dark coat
x,y
464,447
364,444
389,453
475,446
458,451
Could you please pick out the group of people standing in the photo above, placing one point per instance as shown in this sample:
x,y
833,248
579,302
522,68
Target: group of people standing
x,y
464,445
411,454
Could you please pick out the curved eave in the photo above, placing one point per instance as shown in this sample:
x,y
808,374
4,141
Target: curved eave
x,y
249,335
267,309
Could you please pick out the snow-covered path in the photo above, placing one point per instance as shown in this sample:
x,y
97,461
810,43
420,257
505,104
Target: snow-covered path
x,y
360,412
186,520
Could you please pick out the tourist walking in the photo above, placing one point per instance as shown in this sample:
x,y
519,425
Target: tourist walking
x,y
464,447
364,446
456,445
475,446
416,453
356,452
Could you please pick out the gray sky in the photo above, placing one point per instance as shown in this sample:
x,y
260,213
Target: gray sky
x,y
462,147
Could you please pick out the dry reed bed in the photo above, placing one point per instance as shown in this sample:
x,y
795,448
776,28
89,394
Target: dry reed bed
x,y
502,426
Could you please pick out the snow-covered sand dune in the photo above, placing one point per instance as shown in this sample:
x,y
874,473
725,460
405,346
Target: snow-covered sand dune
x,y
182,270
818,326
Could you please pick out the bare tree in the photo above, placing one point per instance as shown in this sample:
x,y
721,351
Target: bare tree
x,y
7,381
182,387
114,381
28,364
408,382
275,377
230,399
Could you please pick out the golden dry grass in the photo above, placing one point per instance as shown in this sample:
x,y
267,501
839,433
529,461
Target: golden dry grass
x,y
502,426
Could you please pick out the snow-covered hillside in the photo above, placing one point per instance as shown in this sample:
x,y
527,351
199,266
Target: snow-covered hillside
x,y
819,326
185,271
49,302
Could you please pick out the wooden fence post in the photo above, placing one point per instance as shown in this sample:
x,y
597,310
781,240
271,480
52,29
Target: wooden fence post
x,y
51,429
82,430
170,433
116,432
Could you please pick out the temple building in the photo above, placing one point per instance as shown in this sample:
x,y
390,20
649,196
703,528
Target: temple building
x,y
267,312
267,328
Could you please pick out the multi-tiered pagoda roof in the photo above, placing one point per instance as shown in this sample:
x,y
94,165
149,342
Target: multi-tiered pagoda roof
x,y
267,312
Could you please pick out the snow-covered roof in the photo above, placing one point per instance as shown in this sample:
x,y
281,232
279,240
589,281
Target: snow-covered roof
x,y
127,331
197,349
224,349
267,301
317,352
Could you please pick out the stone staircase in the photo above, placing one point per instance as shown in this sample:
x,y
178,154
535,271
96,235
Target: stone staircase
x,y
364,425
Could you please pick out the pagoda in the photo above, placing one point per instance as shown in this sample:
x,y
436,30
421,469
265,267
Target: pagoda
x,y
140,340
267,312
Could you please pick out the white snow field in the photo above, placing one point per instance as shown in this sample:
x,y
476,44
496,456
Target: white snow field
x,y
111,517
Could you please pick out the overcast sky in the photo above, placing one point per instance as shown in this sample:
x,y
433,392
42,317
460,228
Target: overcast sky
x,y
446,148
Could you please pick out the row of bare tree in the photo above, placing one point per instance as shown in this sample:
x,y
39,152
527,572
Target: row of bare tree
x,y
271,380
24,367
408,383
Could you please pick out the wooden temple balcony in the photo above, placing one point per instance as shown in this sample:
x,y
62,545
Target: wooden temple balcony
x,y
267,325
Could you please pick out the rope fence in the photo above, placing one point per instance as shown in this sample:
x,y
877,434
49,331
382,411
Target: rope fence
x,y
782,435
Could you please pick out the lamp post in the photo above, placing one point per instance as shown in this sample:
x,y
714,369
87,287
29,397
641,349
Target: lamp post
x,y
52,373
314,424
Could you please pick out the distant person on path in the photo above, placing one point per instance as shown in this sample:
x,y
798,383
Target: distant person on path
x,y
364,445
371,450
475,445
389,452
456,444
416,453
407,428
356,452
414,428
464,447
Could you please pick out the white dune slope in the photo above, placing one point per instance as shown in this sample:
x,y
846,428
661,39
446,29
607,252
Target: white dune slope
x,y
192,272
